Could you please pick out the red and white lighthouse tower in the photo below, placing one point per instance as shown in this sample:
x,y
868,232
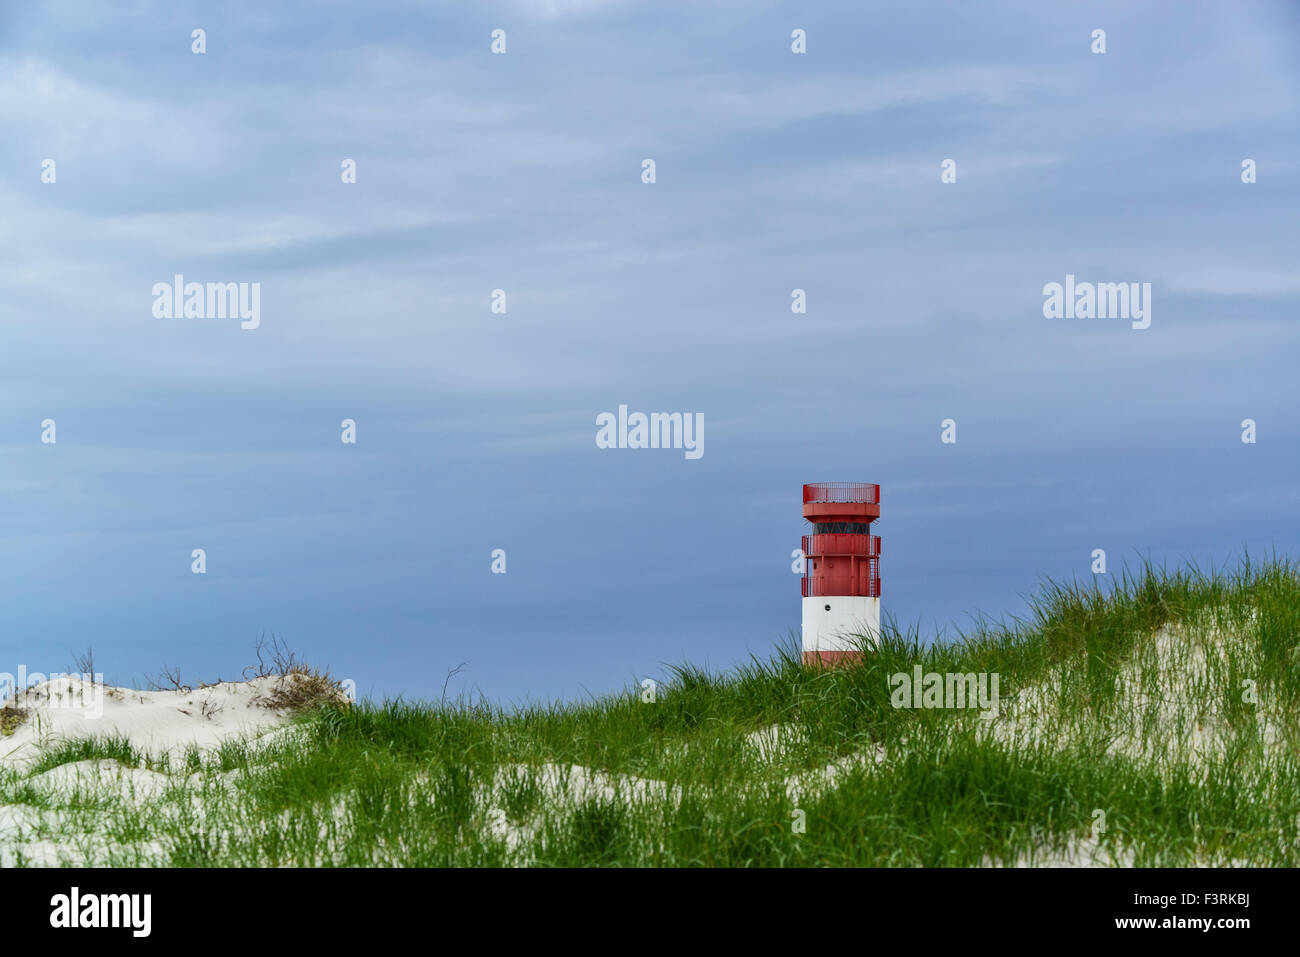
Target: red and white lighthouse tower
x,y
841,580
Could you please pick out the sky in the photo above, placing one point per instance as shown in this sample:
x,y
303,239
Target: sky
x,y
523,171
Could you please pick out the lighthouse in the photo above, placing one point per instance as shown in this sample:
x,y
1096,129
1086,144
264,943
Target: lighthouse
x,y
841,580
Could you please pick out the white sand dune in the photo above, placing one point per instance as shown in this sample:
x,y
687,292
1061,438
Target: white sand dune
x,y
157,723
86,795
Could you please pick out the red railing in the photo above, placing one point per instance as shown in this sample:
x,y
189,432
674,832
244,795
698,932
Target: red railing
x,y
842,544
841,492
814,587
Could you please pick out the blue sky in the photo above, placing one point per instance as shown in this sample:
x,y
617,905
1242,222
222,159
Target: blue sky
x,y
522,171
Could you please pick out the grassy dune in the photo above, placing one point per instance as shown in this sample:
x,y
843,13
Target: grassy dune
x,y
1152,721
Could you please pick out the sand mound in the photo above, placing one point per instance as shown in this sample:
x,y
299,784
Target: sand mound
x,y
156,723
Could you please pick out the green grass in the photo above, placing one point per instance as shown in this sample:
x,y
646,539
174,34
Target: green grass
x,y
1124,703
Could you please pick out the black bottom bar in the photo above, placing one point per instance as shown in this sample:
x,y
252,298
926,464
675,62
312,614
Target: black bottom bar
x,y
372,908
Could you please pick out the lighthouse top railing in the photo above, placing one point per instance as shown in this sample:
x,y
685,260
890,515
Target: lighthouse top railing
x,y
818,587
841,492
